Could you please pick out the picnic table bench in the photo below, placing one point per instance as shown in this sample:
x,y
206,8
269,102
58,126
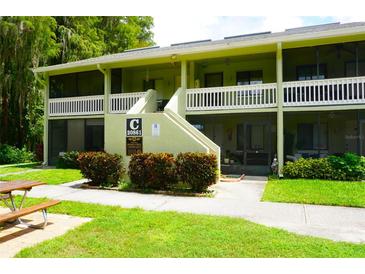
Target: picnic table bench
x,y
6,189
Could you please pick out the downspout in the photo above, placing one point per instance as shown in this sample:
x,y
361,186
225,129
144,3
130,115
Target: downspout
x,y
100,69
357,60
358,145
319,114
107,88
45,121
319,134
280,113
106,94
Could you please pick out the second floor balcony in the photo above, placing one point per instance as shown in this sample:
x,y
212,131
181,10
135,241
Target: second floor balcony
x,y
325,92
312,76
232,97
93,105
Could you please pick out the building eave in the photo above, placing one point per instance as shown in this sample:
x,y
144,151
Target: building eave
x,y
287,39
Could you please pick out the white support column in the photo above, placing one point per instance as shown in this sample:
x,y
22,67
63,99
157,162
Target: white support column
x,y
45,122
184,74
280,102
107,89
191,74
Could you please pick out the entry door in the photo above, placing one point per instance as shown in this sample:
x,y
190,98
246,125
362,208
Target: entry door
x,y
218,134
57,139
94,135
257,145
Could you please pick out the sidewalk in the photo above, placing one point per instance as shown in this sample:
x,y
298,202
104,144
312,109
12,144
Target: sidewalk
x,y
232,199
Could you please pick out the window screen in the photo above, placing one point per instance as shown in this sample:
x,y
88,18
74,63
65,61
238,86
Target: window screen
x,y
94,135
351,69
249,77
214,79
309,72
310,136
77,84
150,84
116,81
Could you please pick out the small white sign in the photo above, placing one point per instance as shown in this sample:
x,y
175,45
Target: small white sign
x,y
155,130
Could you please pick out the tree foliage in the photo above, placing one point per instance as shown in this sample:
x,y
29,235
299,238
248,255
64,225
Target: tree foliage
x,y
85,37
27,42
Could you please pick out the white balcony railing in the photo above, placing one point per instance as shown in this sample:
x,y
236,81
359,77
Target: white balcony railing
x,y
325,92
234,97
122,102
85,105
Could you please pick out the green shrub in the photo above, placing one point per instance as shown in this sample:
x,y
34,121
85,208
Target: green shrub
x,y
198,170
308,168
68,160
350,167
13,155
152,171
137,172
103,169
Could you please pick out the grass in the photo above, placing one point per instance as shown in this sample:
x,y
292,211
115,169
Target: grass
x,y
5,170
319,192
118,232
49,176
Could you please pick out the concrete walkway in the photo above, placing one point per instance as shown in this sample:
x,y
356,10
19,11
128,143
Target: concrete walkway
x,y
15,238
232,199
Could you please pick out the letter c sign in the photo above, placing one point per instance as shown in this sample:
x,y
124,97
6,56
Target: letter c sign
x,y
134,124
134,127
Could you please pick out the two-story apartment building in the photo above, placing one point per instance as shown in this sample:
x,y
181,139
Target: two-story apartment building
x,y
296,93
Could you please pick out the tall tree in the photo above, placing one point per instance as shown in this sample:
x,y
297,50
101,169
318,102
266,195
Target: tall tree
x,y
27,42
126,32
81,37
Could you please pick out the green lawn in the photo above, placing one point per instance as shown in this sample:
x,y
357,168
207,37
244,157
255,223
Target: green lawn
x,y
49,176
5,170
320,192
118,232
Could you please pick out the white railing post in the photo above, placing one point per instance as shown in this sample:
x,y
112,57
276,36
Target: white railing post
x,y
233,97
325,92
85,105
122,102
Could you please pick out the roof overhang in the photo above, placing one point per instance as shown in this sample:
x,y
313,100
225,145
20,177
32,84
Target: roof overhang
x,y
214,49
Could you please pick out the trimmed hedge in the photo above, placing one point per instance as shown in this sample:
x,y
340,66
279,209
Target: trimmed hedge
x,y
103,169
349,167
14,155
69,160
161,171
152,171
198,170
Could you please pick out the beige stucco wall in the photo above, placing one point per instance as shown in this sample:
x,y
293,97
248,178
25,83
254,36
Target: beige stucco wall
x,y
172,138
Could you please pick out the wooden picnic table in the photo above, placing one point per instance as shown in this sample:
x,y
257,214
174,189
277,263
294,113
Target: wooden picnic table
x,y
6,189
